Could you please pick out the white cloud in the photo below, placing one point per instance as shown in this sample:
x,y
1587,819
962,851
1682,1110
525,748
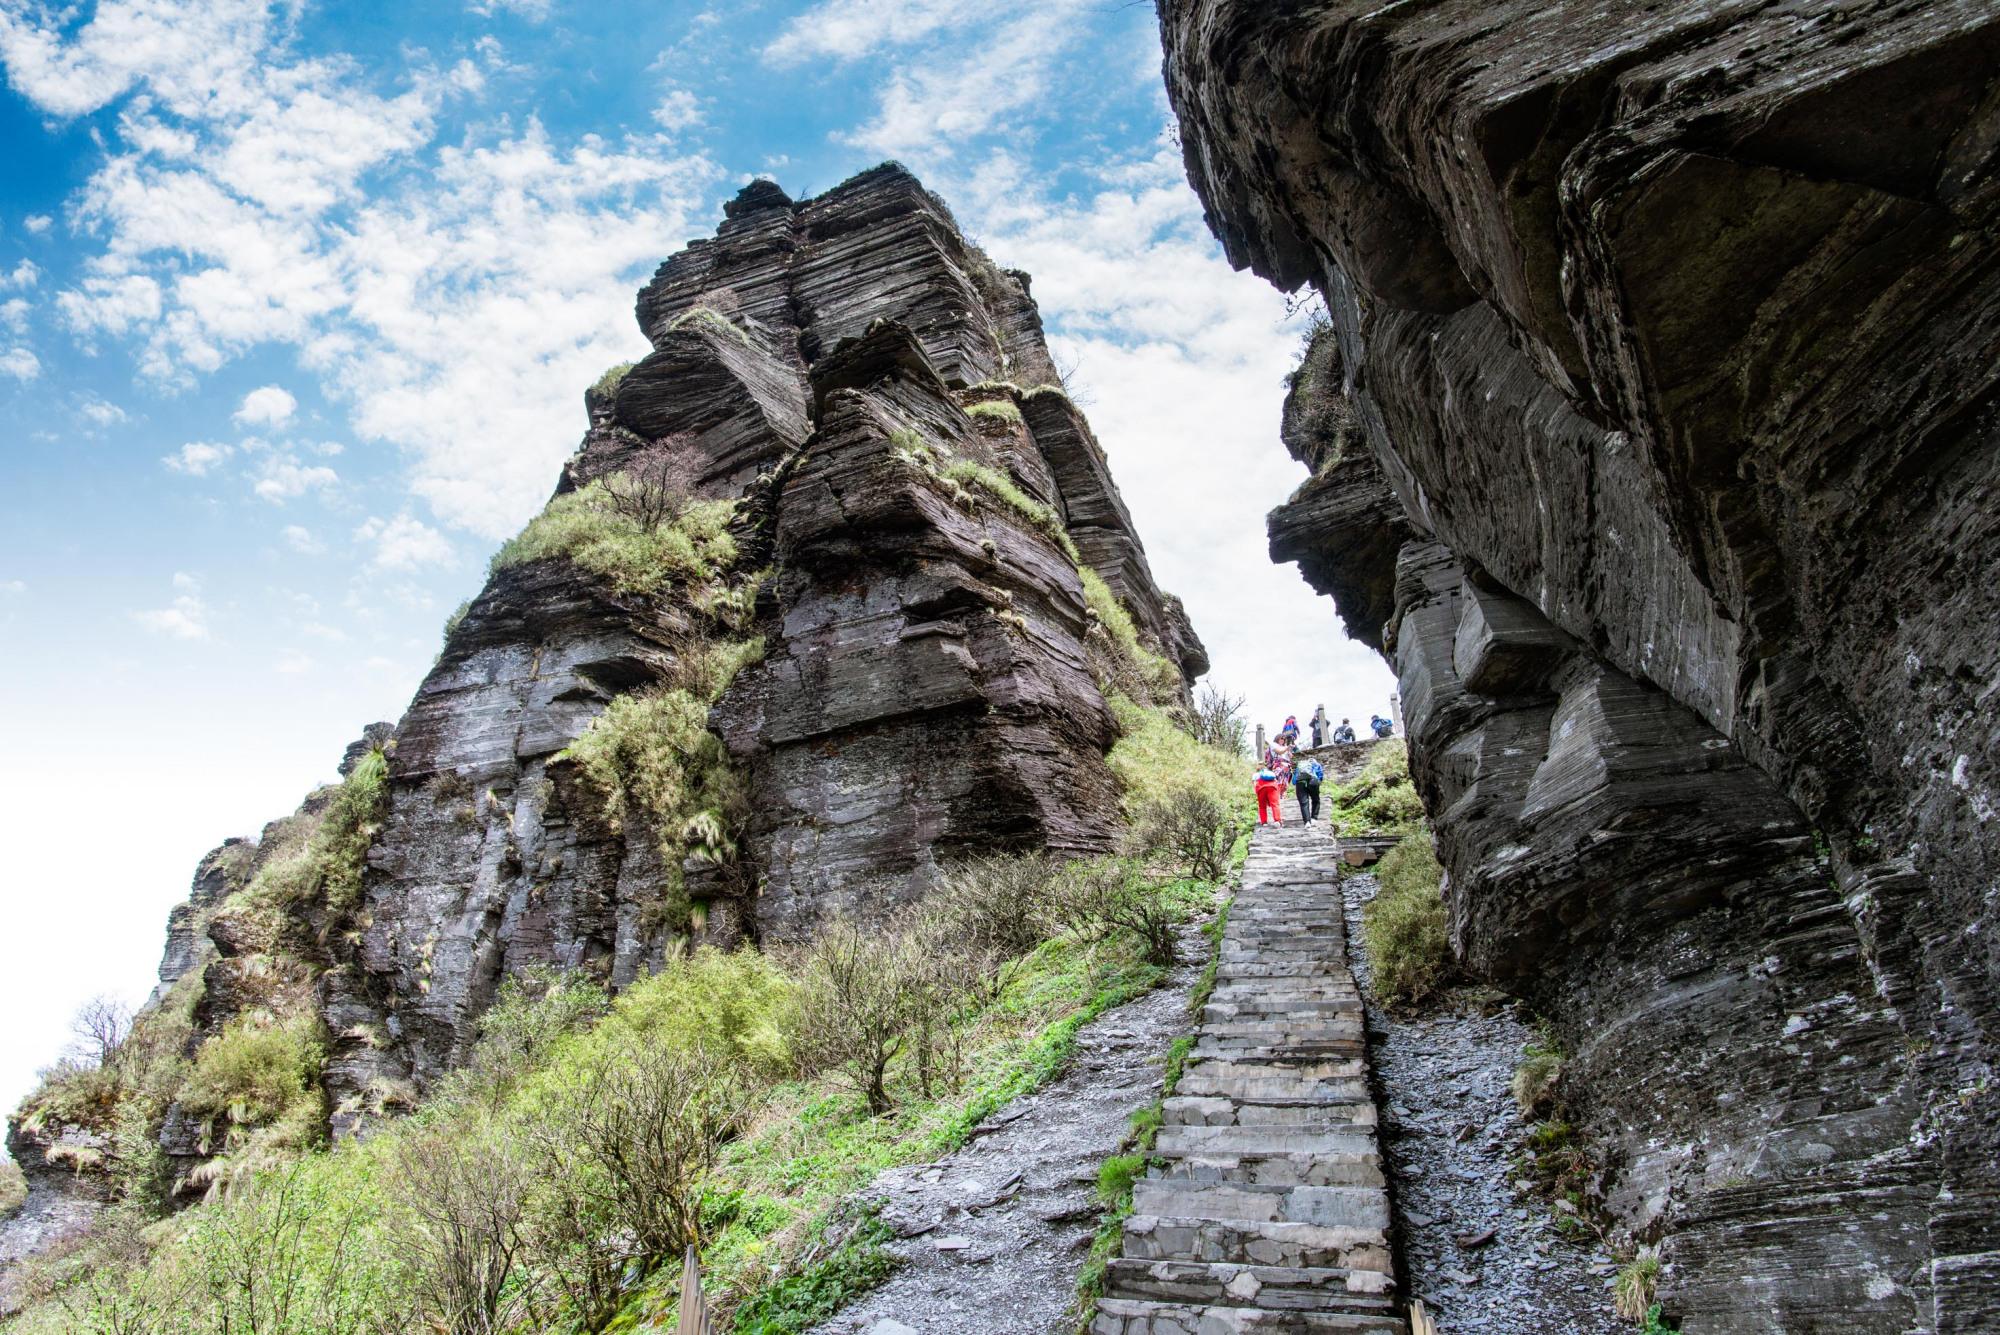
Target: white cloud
x,y
1172,345
36,223
319,630
101,411
300,539
249,195
20,363
25,275
678,110
404,543
847,29
952,71
13,586
186,618
197,458
532,10
14,314
268,406
292,663
283,478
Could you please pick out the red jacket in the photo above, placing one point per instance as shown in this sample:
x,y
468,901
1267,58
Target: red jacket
x,y
1269,787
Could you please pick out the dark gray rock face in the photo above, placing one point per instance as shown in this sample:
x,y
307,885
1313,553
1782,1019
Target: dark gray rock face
x,y
925,689
1654,441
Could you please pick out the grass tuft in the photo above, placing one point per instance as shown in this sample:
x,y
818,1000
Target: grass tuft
x,y
1405,926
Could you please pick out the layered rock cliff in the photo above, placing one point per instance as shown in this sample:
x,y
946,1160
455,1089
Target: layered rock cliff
x,y
1653,442
874,631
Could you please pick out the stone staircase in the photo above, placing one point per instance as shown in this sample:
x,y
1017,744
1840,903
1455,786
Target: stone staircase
x,y
1267,1211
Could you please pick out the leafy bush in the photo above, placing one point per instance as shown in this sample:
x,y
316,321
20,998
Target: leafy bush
x,y
1218,721
998,904
533,1012
13,1188
461,1193
1098,900
729,1003
651,753
322,859
259,1075
855,1006
456,619
1405,926
1189,825
586,528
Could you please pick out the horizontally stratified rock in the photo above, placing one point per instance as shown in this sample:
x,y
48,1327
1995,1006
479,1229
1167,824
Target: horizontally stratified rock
x,y
925,690
1672,339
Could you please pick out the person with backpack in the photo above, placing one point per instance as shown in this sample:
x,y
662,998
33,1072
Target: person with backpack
x,y
1344,734
1307,781
1268,790
1383,727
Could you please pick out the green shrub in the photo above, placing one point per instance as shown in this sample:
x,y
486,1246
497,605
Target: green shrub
x,y
533,1013
1116,1175
586,528
1101,899
803,1300
259,1072
1380,798
651,753
732,1003
318,859
456,619
13,1188
1189,825
1405,926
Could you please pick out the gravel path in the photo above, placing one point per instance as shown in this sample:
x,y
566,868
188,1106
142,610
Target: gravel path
x,y
993,1234
45,1218
1450,1130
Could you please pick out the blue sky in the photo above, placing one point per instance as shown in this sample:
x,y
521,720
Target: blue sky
x,y
298,301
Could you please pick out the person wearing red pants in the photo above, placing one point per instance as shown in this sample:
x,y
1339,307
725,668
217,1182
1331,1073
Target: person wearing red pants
x,y
1269,790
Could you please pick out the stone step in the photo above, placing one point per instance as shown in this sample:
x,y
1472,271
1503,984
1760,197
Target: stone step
x,y
1168,1238
1137,1316
1362,1208
1255,1088
1356,1138
1304,1114
1270,1287
1274,1170
1303,1068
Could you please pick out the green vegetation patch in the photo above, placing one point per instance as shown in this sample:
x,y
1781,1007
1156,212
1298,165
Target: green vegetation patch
x,y
607,384
1380,799
587,528
1405,927
13,1188
994,410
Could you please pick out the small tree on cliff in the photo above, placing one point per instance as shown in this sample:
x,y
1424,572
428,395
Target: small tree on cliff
x,y
656,490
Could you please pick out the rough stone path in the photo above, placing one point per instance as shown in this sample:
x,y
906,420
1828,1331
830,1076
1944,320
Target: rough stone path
x,y
1268,1211
992,1235
1485,1259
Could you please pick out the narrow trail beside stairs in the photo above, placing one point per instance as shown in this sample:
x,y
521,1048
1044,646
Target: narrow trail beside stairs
x,y
992,1235
1269,1210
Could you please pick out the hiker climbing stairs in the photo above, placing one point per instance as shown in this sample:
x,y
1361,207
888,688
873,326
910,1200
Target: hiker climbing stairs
x,y
1266,1209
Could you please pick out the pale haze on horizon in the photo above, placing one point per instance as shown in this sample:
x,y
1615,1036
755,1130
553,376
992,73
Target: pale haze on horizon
x,y
296,312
